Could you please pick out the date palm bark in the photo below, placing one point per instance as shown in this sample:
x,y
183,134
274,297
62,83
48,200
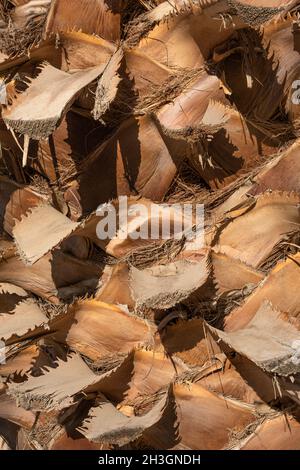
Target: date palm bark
x,y
132,343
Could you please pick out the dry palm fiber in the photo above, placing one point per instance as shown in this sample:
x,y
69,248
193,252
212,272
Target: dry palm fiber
x,y
149,342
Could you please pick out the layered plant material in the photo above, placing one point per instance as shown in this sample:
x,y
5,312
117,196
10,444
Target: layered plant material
x,y
149,342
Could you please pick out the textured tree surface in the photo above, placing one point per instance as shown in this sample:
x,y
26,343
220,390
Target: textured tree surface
x,y
140,344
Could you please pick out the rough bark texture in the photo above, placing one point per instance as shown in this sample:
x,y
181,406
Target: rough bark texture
x,y
139,342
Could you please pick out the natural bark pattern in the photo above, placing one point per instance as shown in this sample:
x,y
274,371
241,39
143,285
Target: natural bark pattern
x,y
142,343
